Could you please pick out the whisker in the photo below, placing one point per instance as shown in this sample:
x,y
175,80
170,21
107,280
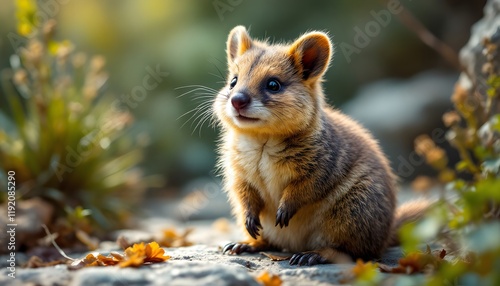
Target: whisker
x,y
206,115
197,112
223,63
186,113
196,86
216,75
220,72
206,96
202,118
201,114
198,89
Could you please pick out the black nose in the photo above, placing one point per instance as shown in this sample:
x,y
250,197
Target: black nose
x,y
240,100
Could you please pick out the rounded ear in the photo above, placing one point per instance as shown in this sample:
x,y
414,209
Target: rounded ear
x,y
238,42
311,54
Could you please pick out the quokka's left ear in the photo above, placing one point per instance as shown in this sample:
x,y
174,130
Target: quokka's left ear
x,y
238,42
311,54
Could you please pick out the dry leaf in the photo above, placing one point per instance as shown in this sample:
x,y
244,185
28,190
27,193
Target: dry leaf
x,y
417,262
267,279
154,253
132,261
442,254
117,256
37,262
364,269
89,260
276,257
123,242
138,249
360,272
140,253
92,243
222,225
106,260
171,238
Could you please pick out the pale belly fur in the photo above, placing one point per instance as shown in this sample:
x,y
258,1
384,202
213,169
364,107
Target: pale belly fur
x,y
259,162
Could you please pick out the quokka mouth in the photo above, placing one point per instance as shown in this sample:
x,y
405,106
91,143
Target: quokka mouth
x,y
246,119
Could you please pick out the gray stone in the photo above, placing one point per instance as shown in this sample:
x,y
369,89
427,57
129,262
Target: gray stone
x,y
471,55
398,110
49,276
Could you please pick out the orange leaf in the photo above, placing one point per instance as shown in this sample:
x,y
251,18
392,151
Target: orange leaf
x,y
138,249
117,256
139,254
154,253
89,260
417,262
171,238
267,279
362,269
132,261
106,260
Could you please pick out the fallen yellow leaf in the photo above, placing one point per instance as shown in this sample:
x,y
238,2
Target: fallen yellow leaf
x,y
154,253
267,279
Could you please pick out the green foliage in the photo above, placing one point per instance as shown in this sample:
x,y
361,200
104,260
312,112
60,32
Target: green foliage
x,y
63,135
468,223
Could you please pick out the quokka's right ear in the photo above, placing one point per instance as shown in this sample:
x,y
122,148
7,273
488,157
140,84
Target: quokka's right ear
x,y
238,42
311,53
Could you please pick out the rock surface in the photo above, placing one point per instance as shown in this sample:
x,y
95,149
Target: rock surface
x,y
200,264
472,54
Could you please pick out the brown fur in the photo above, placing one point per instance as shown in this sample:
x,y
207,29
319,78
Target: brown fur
x,y
300,175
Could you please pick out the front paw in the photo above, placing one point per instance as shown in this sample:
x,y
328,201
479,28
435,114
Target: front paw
x,y
237,248
253,225
283,216
307,258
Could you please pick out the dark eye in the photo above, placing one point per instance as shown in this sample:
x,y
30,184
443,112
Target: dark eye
x,y
273,85
233,82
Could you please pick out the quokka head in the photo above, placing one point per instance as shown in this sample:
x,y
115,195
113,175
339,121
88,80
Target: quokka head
x,y
273,89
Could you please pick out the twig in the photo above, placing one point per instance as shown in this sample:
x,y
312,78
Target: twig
x,y
416,26
63,254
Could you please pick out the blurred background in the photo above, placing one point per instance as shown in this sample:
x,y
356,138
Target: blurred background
x,y
382,75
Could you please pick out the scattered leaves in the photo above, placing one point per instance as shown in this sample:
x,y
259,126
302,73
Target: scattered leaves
x,y
172,238
87,261
276,257
267,279
139,254
365,271
135,256
417,262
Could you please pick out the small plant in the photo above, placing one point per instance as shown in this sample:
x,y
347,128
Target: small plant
x,y
468,222
63,137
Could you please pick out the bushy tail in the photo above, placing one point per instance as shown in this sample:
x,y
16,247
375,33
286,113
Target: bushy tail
x,y
407,212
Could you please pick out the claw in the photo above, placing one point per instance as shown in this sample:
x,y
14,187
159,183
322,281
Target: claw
x,y
237,248
227,247
293,259
282,217
304,259
253,225
307,258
